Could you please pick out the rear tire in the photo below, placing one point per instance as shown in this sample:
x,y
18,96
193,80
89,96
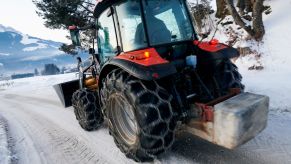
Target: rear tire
x,y
227,77
140,115
87,110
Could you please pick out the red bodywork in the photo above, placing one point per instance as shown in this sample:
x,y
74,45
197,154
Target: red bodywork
x,y
149,56
73,28
212,46
146,57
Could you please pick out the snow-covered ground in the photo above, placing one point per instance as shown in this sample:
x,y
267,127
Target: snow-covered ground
x,y
273,53
4,144
42,131
275,79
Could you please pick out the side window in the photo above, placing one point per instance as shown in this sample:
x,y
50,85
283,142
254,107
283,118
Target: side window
x,y
107,43
131,27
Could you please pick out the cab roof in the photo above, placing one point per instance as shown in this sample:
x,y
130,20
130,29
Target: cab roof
x,y
102,5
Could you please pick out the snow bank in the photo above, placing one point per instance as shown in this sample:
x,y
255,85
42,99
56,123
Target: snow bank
x,y
275,79
38,82
5,157
273,53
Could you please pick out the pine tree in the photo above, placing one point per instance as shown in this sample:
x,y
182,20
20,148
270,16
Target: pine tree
x,y
60,14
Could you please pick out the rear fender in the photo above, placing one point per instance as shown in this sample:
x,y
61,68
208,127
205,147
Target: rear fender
x,y
209,51
148,73
145,64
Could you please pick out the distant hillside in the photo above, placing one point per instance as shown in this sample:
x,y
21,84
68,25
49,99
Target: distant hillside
x,y
23,53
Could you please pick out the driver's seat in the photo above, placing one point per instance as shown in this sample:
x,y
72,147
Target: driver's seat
x,y
157,31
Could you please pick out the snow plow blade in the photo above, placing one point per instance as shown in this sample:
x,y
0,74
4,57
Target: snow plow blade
x,y
235,121
66,90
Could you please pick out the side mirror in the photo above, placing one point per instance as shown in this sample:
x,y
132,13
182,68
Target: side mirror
x,y
75,35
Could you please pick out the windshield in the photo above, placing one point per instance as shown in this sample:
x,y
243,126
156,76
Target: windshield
x,y
167,21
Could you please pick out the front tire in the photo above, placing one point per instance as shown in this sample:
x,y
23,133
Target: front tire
x,y
140,115
87,110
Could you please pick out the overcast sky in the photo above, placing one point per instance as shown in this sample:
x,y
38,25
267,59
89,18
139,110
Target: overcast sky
x,y
21,15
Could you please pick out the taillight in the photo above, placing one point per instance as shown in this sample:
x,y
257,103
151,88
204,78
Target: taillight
x,y
213,42
142,56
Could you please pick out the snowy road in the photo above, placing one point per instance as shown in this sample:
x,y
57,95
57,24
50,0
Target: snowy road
x,y
43,131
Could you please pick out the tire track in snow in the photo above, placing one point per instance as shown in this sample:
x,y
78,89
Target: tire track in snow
x,y
5,152
31,99
55,144
272,146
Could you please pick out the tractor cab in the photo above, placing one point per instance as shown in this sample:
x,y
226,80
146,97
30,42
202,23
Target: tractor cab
x,y
126,26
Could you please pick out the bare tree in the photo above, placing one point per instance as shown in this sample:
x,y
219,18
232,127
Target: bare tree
x,y
257,30
245,5
221,9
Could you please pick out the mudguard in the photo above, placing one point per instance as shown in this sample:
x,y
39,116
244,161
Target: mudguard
x,y
142,72
208,51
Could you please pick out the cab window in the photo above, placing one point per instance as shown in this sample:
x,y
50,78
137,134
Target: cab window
x,y
107,42
131,26
167,21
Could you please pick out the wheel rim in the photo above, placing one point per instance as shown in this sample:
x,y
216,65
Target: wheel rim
x,y
123,118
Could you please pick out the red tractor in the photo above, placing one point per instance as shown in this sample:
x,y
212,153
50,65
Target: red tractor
x,y
151,78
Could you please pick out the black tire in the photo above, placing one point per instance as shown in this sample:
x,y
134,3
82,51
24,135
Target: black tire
x,y
227,77
141,119
87,109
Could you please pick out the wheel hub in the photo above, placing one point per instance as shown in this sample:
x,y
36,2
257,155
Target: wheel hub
x,y
123,118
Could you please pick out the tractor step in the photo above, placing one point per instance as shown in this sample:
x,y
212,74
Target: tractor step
x,y
235,121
